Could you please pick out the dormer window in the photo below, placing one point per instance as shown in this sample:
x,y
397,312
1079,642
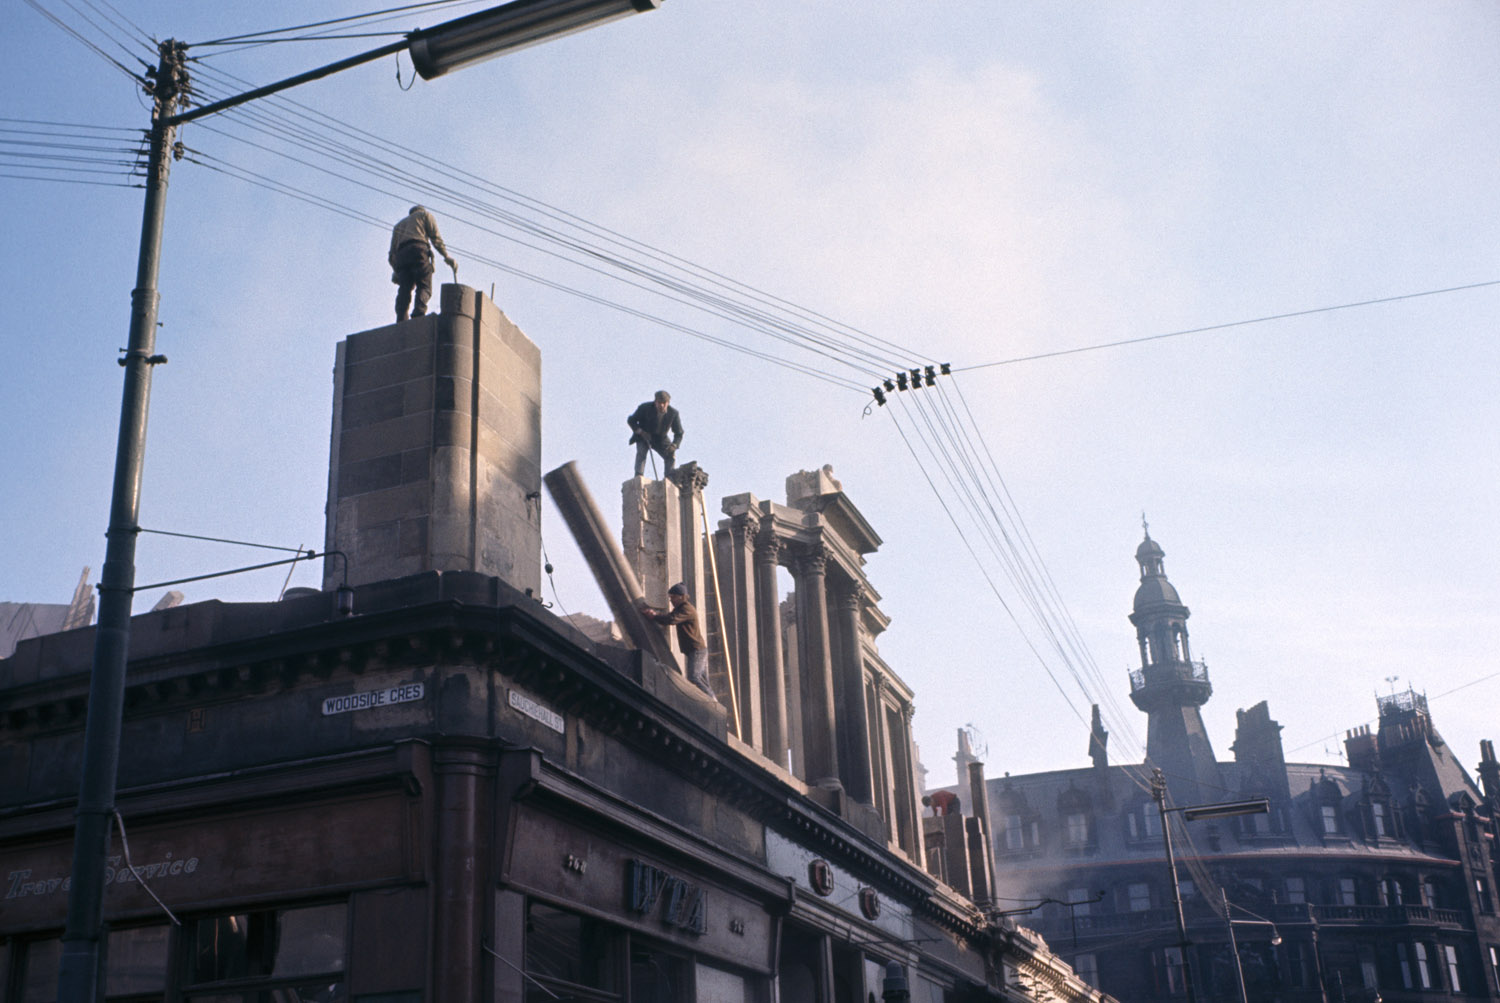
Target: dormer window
x,y
1076,819
1142,822
1329,815
1020,832
1379,826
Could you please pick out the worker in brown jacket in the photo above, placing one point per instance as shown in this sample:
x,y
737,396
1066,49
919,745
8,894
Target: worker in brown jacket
x,y
684,617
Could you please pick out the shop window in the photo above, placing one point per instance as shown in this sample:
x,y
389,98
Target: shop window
x,y
658,977
715,985
569,956
1296,891
286,943
137,961
1450,959
39,963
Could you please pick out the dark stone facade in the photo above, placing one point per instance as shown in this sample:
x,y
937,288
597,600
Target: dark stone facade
x,y
1378,877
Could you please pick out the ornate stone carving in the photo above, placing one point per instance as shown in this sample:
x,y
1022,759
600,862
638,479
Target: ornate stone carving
x,y
690,478
768,548
812,560
849,598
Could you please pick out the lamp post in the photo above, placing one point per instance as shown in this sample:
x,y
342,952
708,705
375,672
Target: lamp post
x,y
434,51
1253,806
1234,947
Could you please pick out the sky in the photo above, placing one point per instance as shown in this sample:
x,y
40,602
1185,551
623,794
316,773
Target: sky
x,y
974,182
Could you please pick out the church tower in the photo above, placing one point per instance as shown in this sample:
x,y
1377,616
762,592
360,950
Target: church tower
x,y
1170,687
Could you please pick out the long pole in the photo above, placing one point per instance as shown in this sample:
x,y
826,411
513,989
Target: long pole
x,y
78,969
1234,948
1159,790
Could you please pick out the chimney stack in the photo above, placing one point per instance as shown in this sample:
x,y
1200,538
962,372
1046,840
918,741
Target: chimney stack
x,y
435,456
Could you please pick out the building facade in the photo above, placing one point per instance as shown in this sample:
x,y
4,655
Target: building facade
x,y
419,784
1371,881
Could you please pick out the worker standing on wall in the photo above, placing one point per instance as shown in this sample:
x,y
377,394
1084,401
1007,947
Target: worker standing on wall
x,y
411,260
656,425
684,617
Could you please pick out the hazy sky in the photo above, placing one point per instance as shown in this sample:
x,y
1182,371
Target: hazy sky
x,y
971,181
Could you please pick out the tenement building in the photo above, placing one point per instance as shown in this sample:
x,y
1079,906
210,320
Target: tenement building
x,y
419,785
1371,881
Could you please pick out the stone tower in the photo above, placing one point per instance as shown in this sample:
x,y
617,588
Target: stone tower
x,y
1170,687
435,456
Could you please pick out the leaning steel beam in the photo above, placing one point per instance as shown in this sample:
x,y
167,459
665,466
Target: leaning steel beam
x,y
615,578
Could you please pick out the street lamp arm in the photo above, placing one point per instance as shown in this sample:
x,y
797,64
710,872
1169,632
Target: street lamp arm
x,y
289,82
458,43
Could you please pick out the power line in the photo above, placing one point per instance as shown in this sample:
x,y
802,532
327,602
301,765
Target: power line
x,y
1230,324
338,20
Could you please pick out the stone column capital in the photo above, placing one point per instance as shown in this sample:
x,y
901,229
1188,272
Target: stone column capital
x,y
744,527
811,560
690,477
768,547
849,597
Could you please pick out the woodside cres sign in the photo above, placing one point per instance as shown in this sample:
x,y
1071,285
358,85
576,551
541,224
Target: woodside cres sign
x,y
370,699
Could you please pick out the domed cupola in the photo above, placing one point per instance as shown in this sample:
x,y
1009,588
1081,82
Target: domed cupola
x,y
1159,616
1154,590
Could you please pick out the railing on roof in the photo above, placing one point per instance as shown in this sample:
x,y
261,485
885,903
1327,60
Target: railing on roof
x,y
1396,703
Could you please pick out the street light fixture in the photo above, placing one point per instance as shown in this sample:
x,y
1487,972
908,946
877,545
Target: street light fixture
x,y
1253,806
479,36
434,51
1234,947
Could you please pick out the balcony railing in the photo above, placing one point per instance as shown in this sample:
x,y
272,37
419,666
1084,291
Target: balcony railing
x,y
1196,672
1389,915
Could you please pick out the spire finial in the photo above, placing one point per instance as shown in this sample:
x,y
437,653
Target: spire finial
x,y
1145,525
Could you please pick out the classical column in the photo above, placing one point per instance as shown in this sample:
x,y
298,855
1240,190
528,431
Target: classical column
x,y
737,575
819,713
690,480
884,775
768,626
849,679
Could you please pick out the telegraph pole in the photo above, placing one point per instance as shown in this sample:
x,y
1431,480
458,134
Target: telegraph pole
x,y
78,971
